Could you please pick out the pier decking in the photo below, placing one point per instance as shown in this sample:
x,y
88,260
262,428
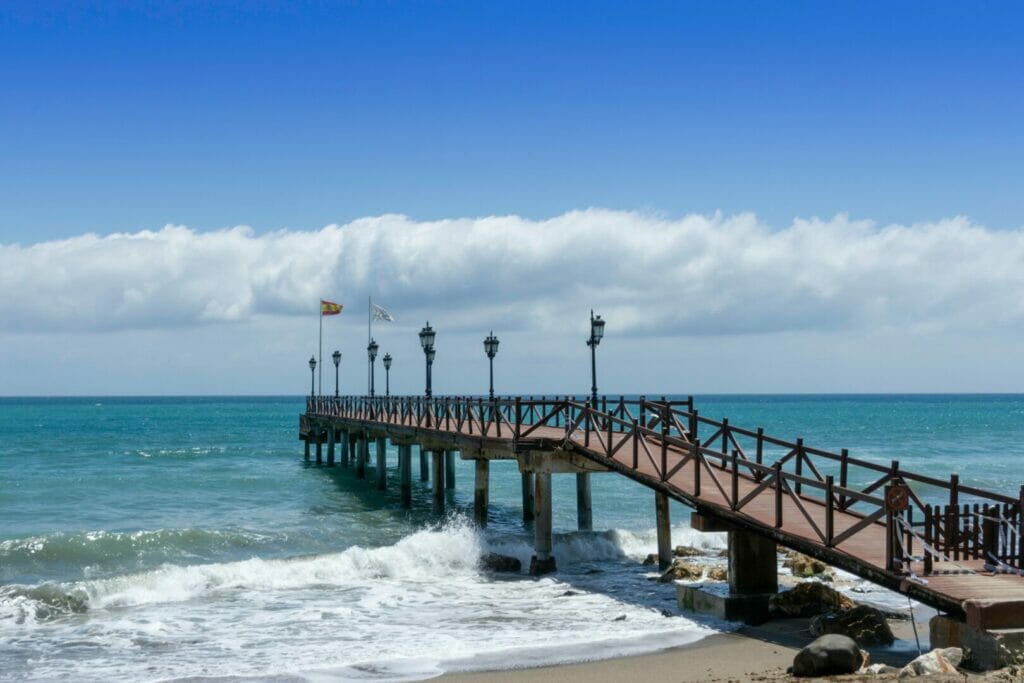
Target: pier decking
x,y
962,557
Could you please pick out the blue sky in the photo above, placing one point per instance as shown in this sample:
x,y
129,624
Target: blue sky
x,y
280,117
706,137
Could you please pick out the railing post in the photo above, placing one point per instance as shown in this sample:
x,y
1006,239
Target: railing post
x,y
844,464
636,445
643,411
890,524
689,404
735,480
586,420
989,535
929,540
694,424
778,494
760,451
1020,528
829,510
519,418
799,463
695,452
664,450
725,439
610,426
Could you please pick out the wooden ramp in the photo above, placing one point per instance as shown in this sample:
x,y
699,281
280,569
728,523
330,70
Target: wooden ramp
x,y
863,517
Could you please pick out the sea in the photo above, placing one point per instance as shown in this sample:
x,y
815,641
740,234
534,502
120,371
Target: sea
x,y
186,538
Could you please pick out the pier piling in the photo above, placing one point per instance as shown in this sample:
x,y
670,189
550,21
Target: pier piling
x,y
664,524
424,467
361,456
438,461
330,447
449,470
527,496
543,562
319,449
343,455
405,471
481,491
382,464
306,448
584,508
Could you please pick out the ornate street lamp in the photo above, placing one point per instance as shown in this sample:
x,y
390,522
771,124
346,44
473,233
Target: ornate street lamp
x,y
427,342
596,332
312,376
337,361
491,349
371,352
387,374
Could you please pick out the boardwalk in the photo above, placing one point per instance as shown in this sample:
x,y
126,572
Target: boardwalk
x,y
869,519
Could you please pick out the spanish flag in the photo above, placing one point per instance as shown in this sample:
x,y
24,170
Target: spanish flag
x,y
329,308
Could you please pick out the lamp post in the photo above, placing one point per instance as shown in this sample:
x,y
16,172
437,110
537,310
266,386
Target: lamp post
x,y
596,332
371,352
312,376
387,374
337,361
491,349
427,342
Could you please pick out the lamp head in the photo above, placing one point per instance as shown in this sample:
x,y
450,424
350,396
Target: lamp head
x,y
491,345
371,350
337,357
596,328
312,362
387,361
427,337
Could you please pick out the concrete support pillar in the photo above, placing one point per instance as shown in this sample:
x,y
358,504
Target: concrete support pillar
x,y
438,461
543,562
382,464
527,496
584,509
424,467
481,491
330,447
664,524
405,471
344,439
305,447
449,470
752,559
319,449
361,455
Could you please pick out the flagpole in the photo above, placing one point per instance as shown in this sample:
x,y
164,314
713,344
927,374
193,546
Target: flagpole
x,y
321,358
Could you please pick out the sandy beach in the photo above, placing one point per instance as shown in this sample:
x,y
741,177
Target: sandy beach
x,y
752,653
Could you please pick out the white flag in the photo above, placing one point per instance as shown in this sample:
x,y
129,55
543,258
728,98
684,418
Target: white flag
x,y
381,314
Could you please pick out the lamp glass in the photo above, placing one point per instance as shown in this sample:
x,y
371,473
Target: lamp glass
x,y
427,336
337,358
387,361
597,328
371,350
312,362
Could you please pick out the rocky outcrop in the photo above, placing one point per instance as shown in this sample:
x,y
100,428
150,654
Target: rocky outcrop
x,y
803,566
829,655
682,571
807,600
686,551
863,623
493,562
944,661
718,574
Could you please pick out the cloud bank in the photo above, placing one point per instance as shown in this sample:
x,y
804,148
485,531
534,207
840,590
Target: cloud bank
x,y
702,275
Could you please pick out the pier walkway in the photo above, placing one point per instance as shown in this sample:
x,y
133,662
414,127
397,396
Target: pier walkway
x,y
962,556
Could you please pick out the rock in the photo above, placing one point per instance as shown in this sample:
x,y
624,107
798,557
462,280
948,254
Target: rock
x,y
863,623
804,566
685,551
651,559
877,669
807,600
829,655
621,617
944,661
681,571
718,574
569,594
493,562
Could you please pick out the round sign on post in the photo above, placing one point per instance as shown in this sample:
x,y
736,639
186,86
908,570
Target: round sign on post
x,y
897,497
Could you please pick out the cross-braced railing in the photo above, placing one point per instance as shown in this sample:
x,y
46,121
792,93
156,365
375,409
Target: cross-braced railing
x,y
664,439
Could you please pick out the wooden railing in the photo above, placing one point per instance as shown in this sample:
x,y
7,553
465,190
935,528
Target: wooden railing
x,y
741,465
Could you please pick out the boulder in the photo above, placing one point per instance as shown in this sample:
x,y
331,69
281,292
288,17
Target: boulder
x,y
685,551
803,566
829,655
682,571
652,558
806,600
944,661
718,573
863,623
878,669
493,562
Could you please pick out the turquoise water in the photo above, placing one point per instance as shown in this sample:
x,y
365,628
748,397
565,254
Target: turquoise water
x,y
162,538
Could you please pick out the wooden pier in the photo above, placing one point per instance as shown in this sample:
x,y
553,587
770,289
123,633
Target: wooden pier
x,y
963,557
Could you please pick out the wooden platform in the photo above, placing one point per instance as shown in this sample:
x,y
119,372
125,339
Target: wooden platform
x,y
739,491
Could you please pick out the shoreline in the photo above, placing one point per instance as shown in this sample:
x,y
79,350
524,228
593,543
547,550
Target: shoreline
x,y
749,653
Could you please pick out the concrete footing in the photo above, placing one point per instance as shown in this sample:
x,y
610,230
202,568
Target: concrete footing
x,y
753,577
543,562
481,491
584,506
985,649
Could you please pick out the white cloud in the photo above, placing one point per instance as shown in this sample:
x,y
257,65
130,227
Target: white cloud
x,y
693,275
